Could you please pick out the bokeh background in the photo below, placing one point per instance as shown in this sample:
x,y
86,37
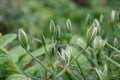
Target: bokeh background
x,y
34,15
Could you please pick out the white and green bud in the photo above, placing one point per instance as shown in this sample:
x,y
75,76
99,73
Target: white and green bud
x,y
116,43
23,38
91,33
97,24
101,18
66,55
98,43
113,15
52,27
68,25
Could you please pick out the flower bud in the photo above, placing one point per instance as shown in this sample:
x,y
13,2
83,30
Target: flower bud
x,y
23,38
52,27
68,25
91,34
66,54
101,18
113,14
116,43
98,43
97,24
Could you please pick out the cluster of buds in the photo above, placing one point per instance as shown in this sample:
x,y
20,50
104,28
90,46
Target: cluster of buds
x,y
66,54
55,31
23,39
92,31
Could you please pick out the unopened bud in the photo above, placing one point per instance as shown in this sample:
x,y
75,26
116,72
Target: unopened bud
x,y
23,38
52,27
116,43
113,14
97,24
91,34
68,25
101,18
98,43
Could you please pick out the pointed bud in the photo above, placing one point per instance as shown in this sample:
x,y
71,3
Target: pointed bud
x,y
23,38
68,25
113,14
116,43
97,24
101,18
98,43
91,34
52,27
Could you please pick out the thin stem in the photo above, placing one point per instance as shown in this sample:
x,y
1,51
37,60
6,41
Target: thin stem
x,y
114,62
38,61
79,54
99,76
60,73
113,47
45,74
74,78
80,70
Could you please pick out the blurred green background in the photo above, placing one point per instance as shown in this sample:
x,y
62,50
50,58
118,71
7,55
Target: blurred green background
x,y
34,15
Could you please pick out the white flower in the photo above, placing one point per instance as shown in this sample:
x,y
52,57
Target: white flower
x,y
66,54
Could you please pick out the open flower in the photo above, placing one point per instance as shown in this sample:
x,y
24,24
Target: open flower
x,y
66,54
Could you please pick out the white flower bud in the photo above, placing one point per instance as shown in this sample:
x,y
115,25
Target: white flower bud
x,y
97,24
66,54
113,14
23,38
91,33
116,43
98,43
52,27
68,25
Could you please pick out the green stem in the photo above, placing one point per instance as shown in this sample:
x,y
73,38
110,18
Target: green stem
x,y
79,54
113,47
45,74
114,62
74,78
38,61
99,76
60,73
80,70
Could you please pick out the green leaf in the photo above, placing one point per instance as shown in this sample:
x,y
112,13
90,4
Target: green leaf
x,y
7,66
17,77
4,40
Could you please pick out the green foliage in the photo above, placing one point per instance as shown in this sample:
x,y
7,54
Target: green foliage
x,y
16,77
7,39
7,66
